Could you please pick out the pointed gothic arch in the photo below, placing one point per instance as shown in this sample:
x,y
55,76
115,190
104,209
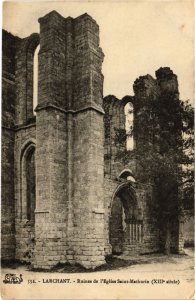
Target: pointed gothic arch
x,y
125,221
27,182
24,78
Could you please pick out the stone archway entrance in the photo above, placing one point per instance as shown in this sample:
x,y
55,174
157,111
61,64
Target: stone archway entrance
x,y
125,224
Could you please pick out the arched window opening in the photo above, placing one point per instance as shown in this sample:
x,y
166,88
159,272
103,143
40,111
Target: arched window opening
x,y
26,72
30,185
128,109
35,78
127,174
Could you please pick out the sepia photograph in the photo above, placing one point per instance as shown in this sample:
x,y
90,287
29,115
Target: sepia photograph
x,y
97,150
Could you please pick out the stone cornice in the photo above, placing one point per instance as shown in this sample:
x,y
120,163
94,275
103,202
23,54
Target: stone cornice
x,y
68,111
19,127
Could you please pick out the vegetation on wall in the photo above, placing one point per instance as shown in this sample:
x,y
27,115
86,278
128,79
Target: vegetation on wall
x,y
164,152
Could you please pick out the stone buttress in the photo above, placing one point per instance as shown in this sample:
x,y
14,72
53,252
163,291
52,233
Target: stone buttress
x,y
69,217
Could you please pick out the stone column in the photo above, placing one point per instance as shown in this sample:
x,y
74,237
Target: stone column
x,y
51,153
89,239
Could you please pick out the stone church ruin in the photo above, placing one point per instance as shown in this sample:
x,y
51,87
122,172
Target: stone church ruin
x,y
66,195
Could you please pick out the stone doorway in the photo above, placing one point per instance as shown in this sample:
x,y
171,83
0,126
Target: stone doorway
x,y
125,224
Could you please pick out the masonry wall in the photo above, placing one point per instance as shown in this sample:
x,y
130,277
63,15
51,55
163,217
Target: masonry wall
x,y
115,136
69,214
51,191
147,92
68,124
168,84
146,202
25,141
10,43
24,79
51,220
88,205
25,137
7,190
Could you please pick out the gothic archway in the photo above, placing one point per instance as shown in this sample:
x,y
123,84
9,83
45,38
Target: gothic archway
x,y
125,223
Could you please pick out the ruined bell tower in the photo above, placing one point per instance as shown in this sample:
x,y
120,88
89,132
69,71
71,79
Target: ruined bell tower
x,y
69,137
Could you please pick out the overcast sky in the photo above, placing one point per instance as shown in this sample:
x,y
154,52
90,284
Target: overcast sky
x,y
137,37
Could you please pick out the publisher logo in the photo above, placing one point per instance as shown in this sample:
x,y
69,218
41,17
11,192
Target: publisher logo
x,y
13,279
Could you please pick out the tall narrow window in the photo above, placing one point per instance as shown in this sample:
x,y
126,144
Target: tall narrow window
x,y
30,184
35,78
129,125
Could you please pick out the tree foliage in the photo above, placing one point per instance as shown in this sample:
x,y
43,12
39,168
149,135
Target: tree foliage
x,y
164,151
163,132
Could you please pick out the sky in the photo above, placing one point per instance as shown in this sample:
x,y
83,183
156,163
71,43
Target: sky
x,y
137,37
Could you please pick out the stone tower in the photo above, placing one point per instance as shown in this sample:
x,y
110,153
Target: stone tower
x,y
63,144
70,102
133,213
